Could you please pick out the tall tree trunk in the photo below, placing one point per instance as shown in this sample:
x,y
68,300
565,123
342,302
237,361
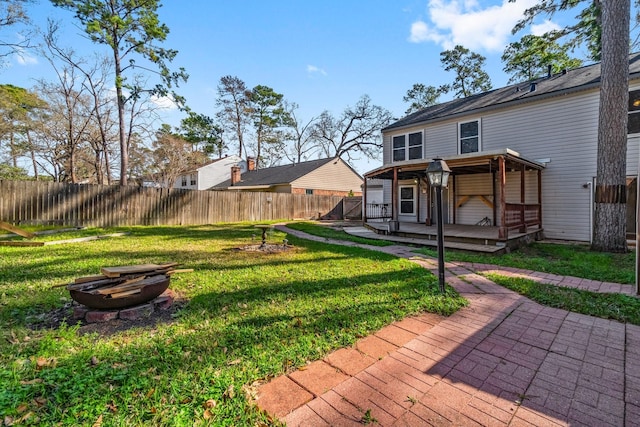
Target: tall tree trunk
x,y
12,148
610,198
124,145
33,155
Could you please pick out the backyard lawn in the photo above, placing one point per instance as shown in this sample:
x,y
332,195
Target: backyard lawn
x,y
241,317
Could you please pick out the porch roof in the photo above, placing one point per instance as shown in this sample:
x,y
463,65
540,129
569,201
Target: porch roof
x,y
462,164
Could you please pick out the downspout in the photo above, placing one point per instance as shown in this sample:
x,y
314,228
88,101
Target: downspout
x,y
523,199
540,198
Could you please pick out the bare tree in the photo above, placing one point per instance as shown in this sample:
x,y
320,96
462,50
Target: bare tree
x,y
234,99
173,156
97,73
129,29
355,132
301,143
12,14
69,118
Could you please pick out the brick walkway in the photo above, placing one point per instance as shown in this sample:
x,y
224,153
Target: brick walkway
x,y
503,360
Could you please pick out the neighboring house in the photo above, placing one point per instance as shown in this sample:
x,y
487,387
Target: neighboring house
x,y
325,177
209,174
522,157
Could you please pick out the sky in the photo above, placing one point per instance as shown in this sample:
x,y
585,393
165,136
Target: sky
x,y
322,55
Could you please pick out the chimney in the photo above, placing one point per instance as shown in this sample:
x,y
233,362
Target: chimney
x,y
235,174
251,163
548,71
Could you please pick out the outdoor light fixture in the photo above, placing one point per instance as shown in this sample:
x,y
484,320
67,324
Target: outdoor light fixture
x,y
438,173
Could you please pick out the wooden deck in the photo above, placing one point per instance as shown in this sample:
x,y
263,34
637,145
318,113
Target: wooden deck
x,y
464,237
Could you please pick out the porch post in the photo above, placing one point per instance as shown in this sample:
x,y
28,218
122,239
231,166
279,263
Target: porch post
x,y
418,200
495,198
502,176
394,196
364,202
455,199
428,220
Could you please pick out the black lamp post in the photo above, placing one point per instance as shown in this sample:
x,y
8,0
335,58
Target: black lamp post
x,y
438,173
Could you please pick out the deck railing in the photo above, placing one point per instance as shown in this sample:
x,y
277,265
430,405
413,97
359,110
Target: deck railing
x,y
378,211
520,215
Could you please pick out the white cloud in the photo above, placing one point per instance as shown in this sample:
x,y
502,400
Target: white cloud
x,y
164,102
467,23
545,27
312,69
24,58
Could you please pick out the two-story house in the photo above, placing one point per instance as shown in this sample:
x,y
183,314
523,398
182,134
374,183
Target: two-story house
x,y
523,158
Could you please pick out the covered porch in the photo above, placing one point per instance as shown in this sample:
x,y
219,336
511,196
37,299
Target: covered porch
x,y
492,197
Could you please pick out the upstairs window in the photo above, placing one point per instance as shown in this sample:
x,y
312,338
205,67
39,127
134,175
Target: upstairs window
x,y
407,147
469,137
184,180
633,125
193,179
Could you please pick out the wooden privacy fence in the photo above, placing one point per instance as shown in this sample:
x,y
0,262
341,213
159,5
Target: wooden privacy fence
x,y
34,202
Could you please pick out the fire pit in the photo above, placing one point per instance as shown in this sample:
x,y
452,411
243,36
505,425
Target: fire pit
x,y
121,287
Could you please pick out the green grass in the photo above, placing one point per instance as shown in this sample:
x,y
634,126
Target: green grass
x,y
567,260
618,307
246,317
62,233
331,233
562,259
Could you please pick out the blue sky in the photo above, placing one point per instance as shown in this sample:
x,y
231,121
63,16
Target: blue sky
x,y
322,55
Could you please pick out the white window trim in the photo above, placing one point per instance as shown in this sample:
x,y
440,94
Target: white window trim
x,y
479,120
406,145
414,200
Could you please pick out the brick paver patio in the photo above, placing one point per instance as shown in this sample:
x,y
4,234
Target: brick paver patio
x,y
503,360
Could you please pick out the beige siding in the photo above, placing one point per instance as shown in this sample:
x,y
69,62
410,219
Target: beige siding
x,y
334,175
474,209
561,129
386,149
442,140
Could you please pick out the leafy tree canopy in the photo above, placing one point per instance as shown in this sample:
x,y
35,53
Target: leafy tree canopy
x,y
470,77
421,96
528,58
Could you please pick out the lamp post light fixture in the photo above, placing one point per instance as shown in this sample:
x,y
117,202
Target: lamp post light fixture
x,y
438,173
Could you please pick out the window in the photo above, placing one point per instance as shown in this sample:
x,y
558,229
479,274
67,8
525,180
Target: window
x,y
184,180
407,147
193,179
633,126
469,137
308,191
407,200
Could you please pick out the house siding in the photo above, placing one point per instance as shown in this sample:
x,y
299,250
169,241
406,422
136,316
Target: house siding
x,y
214,173
474,209
564,131
334,177
559,131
